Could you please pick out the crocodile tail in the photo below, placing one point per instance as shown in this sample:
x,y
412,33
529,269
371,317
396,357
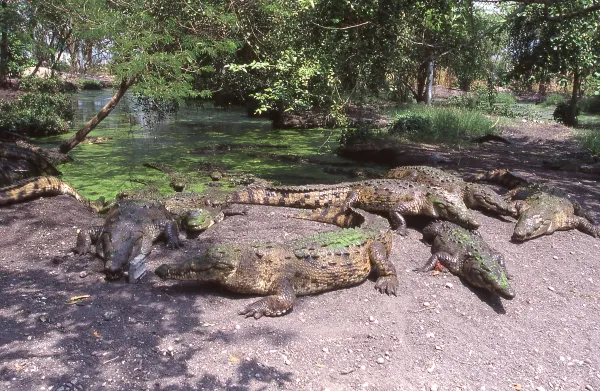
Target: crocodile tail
x,y
503,176
291,196
31,188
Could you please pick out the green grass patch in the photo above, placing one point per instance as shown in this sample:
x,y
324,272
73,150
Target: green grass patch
x,y
554,99
441,125
86,84
590,139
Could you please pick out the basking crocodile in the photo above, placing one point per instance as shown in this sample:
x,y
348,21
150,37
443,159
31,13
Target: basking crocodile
x,y
475,196
43,186
318,263
542,210
394,197
129,230
466,255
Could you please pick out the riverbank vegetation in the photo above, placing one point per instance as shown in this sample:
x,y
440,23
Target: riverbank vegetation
x,y
289,57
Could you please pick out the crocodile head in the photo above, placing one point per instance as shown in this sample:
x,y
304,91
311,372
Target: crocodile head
x,y
214,265
489,275
118,250
478,196
450,206
531,225
197,220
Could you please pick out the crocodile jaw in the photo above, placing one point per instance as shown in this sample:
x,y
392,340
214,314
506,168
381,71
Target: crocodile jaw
x,y
531,226
493,280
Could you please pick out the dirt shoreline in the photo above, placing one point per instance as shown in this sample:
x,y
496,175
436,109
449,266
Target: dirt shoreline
x,y
437,334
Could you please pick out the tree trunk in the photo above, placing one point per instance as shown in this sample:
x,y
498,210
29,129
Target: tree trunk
x,y
4,45
429,92
574,97
95,120
421,81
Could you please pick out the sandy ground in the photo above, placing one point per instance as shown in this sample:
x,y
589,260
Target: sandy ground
x,y
437,334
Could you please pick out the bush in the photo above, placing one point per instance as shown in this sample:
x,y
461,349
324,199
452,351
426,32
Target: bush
x,y
42,111
554,100
504,98
590,104
563,114
86,84
444,125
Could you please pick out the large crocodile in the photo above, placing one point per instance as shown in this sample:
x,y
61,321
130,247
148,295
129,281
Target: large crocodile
x,y
541,209
467,255
394,197
129,230
318,263
475,196
31,188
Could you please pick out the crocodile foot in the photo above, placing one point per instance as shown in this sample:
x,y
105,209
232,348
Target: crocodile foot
x,y
387,284
268,306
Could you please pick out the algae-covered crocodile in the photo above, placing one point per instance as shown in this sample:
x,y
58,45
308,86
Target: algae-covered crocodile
x,y
44,186
309,265
541,209
475,196
390,196
467,255
129,230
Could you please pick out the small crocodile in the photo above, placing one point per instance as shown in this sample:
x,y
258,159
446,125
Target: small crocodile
x,y
391,196
467,255
541,210
43,186
129,230
308,265
475,196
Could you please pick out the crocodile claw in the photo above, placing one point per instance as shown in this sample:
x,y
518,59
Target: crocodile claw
x,y
387,284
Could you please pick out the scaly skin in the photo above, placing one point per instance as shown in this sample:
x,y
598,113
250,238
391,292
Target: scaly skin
x,y
43,186
541,210
474,195
309,265
543,213
466,254
390,196
129,230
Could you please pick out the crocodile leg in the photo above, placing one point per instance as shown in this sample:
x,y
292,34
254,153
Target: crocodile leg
x,y
86,238
585,226
443,258
387,280
275,305
171,233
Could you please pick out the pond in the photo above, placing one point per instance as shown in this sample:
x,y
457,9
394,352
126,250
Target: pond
x,y
109,167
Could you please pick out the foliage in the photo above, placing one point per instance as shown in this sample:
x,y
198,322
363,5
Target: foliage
x,y
590,104
554,100
442,125
42,111
590,140
562,114
489,101
90,84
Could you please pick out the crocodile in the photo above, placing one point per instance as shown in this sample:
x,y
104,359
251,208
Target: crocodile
x,y
541,209
544,210
129,230
467,255
43,186
391,196
305,266
475,195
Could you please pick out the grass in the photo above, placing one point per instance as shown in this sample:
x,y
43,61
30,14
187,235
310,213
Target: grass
x,y
590,139
441,125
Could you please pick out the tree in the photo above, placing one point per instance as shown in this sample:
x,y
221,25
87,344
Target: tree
x,y
158,48
543,42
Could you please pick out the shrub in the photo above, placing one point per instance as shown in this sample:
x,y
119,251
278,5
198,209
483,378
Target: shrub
x,y
554,100
590,104
39,84
504,98
563,114
86,84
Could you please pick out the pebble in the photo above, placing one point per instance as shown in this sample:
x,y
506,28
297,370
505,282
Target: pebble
x,y
426,304
371,319
589,387
438,347
449,285
83,274
433,387
551,289
326,350
380,360
109,315
540,388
